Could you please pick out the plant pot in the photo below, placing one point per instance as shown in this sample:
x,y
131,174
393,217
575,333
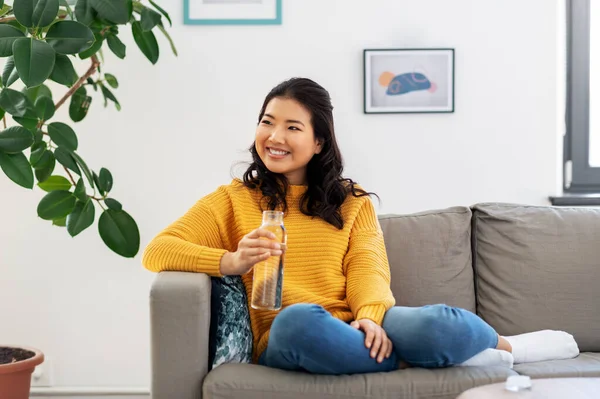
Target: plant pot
x,y
15,378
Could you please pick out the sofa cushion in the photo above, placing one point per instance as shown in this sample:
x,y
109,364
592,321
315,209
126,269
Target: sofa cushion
x,y
538,267
430,257
230,338
258,382
585,365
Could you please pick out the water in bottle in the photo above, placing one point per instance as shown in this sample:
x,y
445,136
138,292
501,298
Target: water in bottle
x,y
268,275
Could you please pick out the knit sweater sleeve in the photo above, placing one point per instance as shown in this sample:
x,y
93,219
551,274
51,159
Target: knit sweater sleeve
x,y
367,268
193,242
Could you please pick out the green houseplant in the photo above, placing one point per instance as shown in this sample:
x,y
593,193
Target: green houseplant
x,y
40,40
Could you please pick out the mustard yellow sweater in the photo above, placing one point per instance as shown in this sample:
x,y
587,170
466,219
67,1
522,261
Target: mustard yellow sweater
x,y
345,271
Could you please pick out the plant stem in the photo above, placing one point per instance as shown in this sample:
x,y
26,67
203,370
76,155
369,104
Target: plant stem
x,y
70,176
68,7
99,203
91,70
91,196
8,19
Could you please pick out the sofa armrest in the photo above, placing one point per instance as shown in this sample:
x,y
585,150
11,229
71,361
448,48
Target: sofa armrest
x,y
179,332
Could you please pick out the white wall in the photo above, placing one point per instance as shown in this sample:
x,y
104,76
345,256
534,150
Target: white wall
x,y
186,120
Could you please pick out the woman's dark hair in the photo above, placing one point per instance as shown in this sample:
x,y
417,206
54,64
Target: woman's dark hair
x,y
327,189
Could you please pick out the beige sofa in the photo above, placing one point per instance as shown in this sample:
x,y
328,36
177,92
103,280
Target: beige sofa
x,y
521,268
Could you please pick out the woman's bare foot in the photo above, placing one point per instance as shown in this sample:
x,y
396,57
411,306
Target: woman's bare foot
x,y
503,344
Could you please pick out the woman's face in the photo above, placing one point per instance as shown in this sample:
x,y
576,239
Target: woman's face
x,y
285,139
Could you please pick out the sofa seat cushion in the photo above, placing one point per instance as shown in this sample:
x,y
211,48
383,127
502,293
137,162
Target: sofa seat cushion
x,y
587,364
430,257
537,268
250,381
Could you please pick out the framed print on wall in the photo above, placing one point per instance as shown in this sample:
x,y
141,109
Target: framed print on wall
x,y
232,12
408,80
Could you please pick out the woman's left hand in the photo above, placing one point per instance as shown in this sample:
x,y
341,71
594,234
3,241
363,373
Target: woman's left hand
x,y
376,339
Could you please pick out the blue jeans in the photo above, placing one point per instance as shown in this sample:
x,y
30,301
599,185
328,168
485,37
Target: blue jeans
x,y
307,337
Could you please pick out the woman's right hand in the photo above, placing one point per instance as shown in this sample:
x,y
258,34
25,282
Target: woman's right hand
x,y
252,249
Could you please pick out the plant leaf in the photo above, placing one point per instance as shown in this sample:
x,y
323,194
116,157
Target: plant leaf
x,y
80,103
80,192
44,106
8,35
16,103
116,11
70,37
63,72
119,232
34,60
42,160
84,168
113,204
56,205
84,12
65,158
62,222
105,181
15,24
99,41
81,218
63,135
149,19
163,12
9,74
97,182
38,137
28,123
35,13
42,174
163,30
33,93
17,168
4,9
109,95
15,139
111,80
116,46
146,41
37,150
54,183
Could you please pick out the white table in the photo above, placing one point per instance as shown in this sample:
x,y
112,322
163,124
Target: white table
x,y
550,388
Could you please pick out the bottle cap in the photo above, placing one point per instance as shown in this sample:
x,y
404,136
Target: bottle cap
x,y
516,383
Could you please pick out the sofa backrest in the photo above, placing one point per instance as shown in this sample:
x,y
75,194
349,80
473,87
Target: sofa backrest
x,y
538,268
430,257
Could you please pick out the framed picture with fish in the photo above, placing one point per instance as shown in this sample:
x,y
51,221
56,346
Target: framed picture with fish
x,y
232,12
412,80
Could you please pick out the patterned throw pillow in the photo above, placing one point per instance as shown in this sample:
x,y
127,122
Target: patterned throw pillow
x,y
230,331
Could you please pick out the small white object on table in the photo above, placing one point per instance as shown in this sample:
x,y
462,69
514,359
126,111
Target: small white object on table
x,y
547,388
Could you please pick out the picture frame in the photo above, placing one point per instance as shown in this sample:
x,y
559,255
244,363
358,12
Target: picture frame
x,y
232,12
409,80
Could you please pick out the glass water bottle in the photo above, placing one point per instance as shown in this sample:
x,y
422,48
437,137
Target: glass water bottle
x,y
268,275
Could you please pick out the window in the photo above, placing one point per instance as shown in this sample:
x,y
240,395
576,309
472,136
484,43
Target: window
x,y
582,140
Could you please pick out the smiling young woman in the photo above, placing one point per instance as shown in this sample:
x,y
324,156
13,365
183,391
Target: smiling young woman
x,y
287,145
338,314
